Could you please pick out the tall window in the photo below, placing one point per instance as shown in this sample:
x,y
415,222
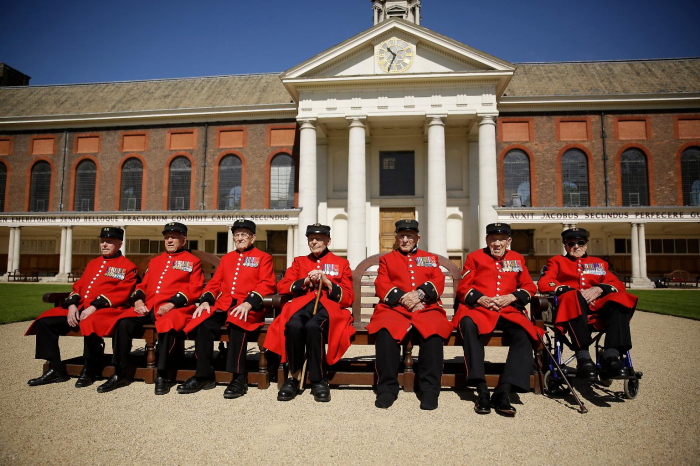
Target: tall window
x,y
397,173
230,181
85,176
282,182
40,188
179,185
132,182
3,186
516,179
574,177
635,183
690,174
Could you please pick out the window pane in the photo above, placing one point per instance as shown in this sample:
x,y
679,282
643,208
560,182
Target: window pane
x,y
516,176
656,246
633,169
40,187
574,175
282,182
681,246
3,186
693,246
668,246
85,186
230,176
132,182
179,185
620,246
397,175
144,247
222,242
690,174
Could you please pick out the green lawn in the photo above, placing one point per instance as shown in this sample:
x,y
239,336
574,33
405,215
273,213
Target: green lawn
x,y
681,303
22,301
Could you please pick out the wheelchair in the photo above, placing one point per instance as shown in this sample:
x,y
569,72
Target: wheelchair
x,y
554,383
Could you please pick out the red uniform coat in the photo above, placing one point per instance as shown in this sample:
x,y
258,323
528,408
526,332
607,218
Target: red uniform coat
x,y
484,275
106,284
565,276
340,328
176,278
241,277
399,274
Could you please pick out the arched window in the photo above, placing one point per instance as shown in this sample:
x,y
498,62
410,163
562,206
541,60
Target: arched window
x,y
635,183
574,177
282,182
132,182
516,179
3,186
179,185
230,181
690,174
40,188
85,176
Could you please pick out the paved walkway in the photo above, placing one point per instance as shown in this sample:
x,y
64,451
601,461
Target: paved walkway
x,y
59,424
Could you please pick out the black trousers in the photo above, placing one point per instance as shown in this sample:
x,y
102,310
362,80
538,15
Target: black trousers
x,y
121,343
306,333
388,358
209,331
49,329
616,320
518,362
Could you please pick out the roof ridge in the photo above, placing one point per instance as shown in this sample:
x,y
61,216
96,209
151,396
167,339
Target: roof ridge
x,y
605,61
191,78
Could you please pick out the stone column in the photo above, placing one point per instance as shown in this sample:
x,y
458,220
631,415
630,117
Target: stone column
x,y
642,281
635,251
68,263
230,246
417,13
437,186
290,245
473,221
357,193
15,249
565,226
308,196
11,250
123,248
62,255
488,175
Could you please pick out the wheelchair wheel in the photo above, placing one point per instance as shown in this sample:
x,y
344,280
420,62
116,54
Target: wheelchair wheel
x,y
631,388
552,386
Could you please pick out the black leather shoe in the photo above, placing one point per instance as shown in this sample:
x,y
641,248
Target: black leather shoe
x,y
501,403
194,384
235,389
384,400
113,383
162,386
585,369
321,391
51,376
483,404
612,368
85,379
429,401
289,390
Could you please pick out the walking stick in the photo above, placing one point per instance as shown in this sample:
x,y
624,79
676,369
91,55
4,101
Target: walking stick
x,y
306,359
582,408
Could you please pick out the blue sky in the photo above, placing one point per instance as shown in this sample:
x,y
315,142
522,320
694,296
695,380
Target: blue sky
x,y
64,41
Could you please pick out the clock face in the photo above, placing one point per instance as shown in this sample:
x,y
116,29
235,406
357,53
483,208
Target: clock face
x,y
395,55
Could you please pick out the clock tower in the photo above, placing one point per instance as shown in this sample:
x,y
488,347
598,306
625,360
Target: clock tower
x,y
405,9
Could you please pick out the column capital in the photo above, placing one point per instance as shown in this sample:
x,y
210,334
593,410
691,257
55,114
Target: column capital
x,y
438,119
356,121
487,119
307,123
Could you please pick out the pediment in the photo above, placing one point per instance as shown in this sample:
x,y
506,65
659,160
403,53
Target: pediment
x,y
432,54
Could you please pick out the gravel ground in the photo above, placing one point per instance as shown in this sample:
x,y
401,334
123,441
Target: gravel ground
x,y
59,424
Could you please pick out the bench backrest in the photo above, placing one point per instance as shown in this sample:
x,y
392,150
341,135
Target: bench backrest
x,y
365,297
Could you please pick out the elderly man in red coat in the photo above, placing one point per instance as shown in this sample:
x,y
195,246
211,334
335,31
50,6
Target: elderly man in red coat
x,y
494,289
297,330
233,297
409,284
101,294
589,296
165,297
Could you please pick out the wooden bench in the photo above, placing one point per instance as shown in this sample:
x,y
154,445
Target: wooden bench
x,y
23,276
681,278
142,365
361,370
